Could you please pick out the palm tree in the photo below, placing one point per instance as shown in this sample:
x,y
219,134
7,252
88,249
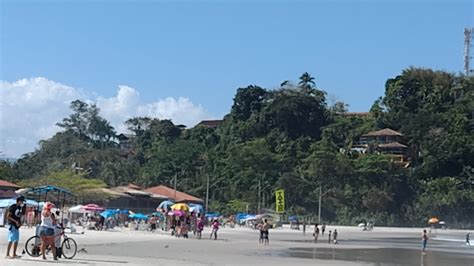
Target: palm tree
x,y
307,81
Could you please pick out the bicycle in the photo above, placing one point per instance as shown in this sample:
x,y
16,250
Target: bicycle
x,y
68,246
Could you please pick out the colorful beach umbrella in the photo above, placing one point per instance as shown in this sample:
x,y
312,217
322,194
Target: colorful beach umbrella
x,y
166,205
196,208
177,213
180,207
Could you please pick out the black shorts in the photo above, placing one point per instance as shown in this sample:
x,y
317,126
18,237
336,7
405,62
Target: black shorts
x,y
265,234
153,226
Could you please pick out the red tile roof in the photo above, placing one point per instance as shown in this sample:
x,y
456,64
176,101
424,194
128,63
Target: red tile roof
x,y
4,183
131,185
383,132
169,192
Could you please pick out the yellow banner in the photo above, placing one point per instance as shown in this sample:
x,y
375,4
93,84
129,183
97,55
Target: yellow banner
x,y
280,201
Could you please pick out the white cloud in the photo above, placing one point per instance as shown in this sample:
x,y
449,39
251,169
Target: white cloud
x,y
30,109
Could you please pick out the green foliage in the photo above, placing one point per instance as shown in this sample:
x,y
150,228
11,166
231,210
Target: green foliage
x,y
289,138
80,186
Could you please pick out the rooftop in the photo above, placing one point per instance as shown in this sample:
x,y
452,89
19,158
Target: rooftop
x,y
4,183
210,123
383,132
169,193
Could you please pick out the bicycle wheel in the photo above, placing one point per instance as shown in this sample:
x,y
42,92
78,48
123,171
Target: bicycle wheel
x,y
69,248
33,246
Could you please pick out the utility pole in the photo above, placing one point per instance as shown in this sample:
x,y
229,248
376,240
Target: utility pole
x,y
259,191
467,47
319,208
207,191
175,179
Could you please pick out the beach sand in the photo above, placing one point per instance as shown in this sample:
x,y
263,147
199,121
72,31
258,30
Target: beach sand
x,y
239,246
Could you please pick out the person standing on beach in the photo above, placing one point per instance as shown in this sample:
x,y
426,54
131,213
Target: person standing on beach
x,y
215,228
329,239
260,229
424,240
323,229
304,228
467,240
316,232
14,220
335,236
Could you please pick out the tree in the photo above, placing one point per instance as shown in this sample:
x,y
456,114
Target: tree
x,y
80,186
306,81
248,101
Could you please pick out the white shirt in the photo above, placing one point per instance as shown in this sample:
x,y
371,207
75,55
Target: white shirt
x,y
47,221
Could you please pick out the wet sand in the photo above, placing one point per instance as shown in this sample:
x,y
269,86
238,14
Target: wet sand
x,y
239,246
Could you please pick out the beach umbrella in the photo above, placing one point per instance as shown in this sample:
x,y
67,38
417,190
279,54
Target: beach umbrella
x,y
93,208
211,215
180,207
77,209
165,205
139,216
197,208
108,213
177,213
433,220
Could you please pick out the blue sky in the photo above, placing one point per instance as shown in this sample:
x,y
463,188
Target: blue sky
x,y
205,50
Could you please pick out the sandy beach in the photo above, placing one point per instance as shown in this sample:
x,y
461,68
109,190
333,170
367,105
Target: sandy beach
x,y
239,246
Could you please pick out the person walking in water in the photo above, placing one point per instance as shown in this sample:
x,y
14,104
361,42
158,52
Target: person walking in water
x,y
334,235
424,240
329,239
468,243
316,233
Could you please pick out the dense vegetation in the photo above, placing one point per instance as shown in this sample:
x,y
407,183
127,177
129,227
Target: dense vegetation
x,y
290,138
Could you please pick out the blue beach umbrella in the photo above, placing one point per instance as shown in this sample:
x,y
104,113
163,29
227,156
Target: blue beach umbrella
x,y
139,216
197,208
166,205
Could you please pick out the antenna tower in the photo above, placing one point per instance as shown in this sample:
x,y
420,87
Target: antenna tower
x,y
468,32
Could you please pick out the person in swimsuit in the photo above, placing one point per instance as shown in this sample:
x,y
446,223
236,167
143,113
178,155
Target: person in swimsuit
x,y
48,222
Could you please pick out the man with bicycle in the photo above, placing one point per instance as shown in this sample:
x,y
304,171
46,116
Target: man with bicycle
x,y
14,220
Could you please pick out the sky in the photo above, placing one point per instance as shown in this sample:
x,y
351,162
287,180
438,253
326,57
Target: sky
x,y
184,60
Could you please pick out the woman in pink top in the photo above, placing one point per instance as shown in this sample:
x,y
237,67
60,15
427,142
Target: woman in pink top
x,y
215,227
